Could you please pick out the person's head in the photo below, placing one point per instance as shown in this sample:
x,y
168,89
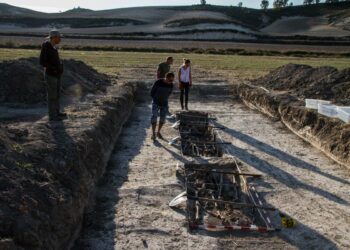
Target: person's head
x,y
187,62
55,37
170,60
169,77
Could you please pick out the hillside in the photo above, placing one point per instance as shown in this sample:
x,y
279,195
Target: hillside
x,y
13,11
185,22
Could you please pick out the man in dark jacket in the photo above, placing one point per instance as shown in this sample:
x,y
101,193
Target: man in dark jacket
x,y
160,93
162,70
53,69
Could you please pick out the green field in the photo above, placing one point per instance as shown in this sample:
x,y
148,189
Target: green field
x,y
241,66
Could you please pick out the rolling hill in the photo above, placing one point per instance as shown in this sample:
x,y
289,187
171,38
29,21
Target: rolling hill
x,y
198,22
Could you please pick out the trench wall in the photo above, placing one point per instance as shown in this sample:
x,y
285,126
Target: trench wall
x,y
330,135
46,203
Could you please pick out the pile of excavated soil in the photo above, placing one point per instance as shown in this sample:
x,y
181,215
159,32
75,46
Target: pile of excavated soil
x,y
22,81
287,86
307,82
48,170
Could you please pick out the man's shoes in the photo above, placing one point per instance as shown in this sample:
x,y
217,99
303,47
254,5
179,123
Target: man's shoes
x,y
159,135
186,108
55,119
59,117
153,137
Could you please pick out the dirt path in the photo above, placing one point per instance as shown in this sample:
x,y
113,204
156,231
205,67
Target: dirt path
x,y
132,212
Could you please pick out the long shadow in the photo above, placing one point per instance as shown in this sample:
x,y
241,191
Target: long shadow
x,y
295,240
65,148
99,218
277,153
177,156
280,175
290,235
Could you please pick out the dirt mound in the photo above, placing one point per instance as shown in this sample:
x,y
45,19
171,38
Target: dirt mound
x,y
22,81
287,86
48,171
307,82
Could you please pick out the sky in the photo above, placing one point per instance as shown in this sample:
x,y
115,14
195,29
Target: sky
x,y
63,5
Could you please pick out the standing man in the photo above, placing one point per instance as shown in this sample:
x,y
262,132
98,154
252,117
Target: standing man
x,y
163,69
53,69
160,93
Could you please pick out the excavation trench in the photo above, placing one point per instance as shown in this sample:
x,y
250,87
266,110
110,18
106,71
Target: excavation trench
x,y
131,208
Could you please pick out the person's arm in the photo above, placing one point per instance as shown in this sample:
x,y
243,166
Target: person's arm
x,y
154,89
158,72
190,77
42,56
179,75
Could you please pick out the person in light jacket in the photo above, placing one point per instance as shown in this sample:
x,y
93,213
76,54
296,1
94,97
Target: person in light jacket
x,y
185,82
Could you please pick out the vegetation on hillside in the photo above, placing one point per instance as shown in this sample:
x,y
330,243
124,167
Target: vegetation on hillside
x,y
68,22
255,18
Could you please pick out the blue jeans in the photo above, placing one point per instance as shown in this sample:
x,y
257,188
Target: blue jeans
x,y
160,111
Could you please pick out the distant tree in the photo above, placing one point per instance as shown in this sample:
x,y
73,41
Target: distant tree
x,y
332,1
240,4
308,2
203,2
291,4
264,4
277,4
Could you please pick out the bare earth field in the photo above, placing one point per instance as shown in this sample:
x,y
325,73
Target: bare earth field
x,y
176,45
159,44
307,26
130,210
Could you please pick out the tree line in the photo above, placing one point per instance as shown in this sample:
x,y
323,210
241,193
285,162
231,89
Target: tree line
x,y
277,4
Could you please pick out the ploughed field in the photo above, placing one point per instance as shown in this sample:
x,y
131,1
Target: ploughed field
x,y
20,41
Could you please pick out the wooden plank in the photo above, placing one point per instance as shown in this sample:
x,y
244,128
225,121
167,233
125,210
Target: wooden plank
x,y
231,203
225,172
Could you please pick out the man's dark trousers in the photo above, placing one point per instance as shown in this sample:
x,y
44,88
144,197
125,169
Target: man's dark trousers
x,y
53,95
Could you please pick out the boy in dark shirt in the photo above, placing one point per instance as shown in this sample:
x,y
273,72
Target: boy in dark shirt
x,y
160,93
163,69
53,69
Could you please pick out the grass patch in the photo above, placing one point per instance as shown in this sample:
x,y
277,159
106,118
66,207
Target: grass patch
x,y
17,148
243,52
77,23
245,66
24,165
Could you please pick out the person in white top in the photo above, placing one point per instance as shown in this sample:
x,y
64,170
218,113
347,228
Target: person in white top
x,y
185,82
